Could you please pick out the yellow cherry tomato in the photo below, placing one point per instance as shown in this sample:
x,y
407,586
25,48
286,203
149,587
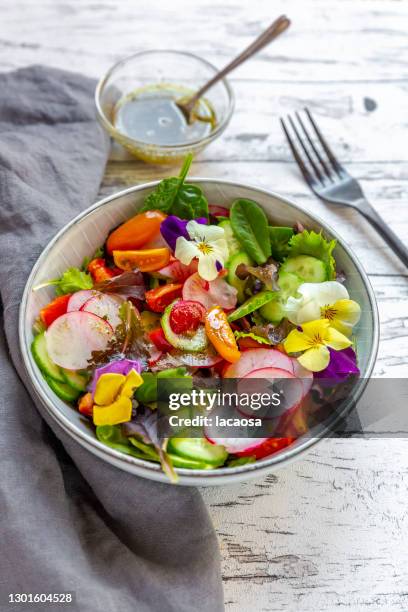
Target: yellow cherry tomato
x,y
220,334
147,260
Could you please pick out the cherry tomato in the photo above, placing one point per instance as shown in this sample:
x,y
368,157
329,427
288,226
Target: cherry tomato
x,y
158,299
85,405
147,260
273,445
186,316
159,340
100,271
218,211
136,232
220,334
54,309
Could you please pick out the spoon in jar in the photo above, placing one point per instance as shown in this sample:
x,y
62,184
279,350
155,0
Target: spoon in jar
x,y
275,29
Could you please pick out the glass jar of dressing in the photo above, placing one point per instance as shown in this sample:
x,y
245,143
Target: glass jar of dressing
x,y
136,105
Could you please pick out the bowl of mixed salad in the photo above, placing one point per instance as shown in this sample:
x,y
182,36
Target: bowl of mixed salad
x,y
191,279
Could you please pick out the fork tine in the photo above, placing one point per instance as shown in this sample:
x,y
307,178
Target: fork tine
x,y
303,168
305,150
315,150
337,167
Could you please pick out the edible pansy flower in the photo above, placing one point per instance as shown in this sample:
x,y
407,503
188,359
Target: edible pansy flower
x,y
328,300
342,364
313,340
173,227
121,366
113,397
207,243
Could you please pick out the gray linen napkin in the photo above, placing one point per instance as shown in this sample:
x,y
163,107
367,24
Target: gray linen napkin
x,y
69,521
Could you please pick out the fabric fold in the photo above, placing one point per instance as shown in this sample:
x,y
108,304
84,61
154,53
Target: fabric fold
x,y
71,522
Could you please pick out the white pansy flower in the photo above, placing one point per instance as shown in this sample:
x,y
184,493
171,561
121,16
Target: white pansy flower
x,y
208,244
328,300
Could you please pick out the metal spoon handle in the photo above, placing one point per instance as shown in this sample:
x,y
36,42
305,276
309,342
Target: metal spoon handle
x,y
275,29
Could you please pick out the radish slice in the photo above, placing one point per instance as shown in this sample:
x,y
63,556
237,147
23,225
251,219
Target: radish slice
x,y
72,338
178,271
223,294
195,288
106,307
305,376
235,445
214,293
200,360
78,299
255,359
291,392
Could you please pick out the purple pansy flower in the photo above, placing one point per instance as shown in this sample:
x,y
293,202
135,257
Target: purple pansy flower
x,y
341,365
122,366
173,227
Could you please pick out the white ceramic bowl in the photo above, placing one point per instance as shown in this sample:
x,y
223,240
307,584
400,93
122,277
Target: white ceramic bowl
x,y
88,230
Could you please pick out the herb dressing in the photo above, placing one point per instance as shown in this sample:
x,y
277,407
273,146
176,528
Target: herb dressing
x,y
150,115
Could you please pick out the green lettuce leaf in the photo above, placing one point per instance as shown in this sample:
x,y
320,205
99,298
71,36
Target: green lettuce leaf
x,y
311,243
242,334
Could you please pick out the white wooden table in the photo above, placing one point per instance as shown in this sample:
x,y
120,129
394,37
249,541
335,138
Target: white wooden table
x,y
329,532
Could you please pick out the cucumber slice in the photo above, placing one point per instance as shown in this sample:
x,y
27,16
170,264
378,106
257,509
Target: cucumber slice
x,y
308,268
64,391
234,246
198,449
42,359
76,380
194,343
272,311
189,464
239,284
289,283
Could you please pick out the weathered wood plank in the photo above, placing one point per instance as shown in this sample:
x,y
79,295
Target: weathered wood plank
x,y
360,41
361,121
328,531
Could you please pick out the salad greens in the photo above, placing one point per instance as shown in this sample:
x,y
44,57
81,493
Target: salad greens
x,y
253,303
250,226
280,237
73,279
173,196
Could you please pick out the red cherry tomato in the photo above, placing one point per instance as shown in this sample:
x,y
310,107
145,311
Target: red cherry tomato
x,y
54,309
158,299
159,340
100,271
273,445
219,211
186,316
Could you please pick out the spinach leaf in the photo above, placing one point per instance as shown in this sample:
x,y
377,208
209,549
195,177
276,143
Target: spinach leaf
x,y
253,303
279,237
173,196
250,226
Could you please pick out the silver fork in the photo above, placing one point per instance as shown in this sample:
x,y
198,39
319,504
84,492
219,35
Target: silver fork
x,y
330,181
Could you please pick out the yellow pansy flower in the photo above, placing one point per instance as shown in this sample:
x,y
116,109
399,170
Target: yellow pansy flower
x,y
313,340
113,397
